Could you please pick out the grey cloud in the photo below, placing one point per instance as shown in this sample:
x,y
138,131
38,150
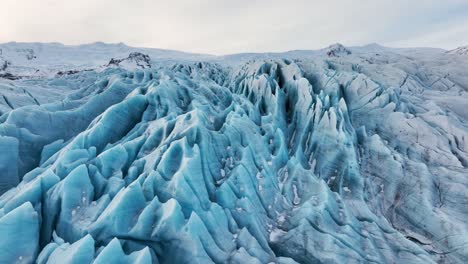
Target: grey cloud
x,y
219,27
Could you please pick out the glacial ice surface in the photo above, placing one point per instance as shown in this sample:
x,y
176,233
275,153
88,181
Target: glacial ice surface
x,y
359,157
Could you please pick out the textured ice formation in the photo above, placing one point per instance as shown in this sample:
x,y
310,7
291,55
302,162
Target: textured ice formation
x,y
315,159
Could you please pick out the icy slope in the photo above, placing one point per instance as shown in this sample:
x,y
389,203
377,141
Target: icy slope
x,y
463,51
356,158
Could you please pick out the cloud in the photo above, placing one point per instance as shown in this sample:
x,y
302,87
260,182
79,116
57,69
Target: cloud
x,y
220,26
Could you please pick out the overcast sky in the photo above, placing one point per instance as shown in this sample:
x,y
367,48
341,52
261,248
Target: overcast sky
x,y
222,27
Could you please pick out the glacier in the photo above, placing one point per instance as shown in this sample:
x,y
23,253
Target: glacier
x,y
111,154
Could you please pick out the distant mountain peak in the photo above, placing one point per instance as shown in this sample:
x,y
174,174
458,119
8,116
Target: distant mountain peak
x,y
134,60
337,50
374,46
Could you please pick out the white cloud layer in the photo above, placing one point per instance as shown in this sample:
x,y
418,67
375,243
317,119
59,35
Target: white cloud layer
x,y
221,27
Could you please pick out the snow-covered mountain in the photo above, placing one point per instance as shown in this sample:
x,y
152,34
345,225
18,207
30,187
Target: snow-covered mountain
x,y
337,50
459,51
113,154
46,59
